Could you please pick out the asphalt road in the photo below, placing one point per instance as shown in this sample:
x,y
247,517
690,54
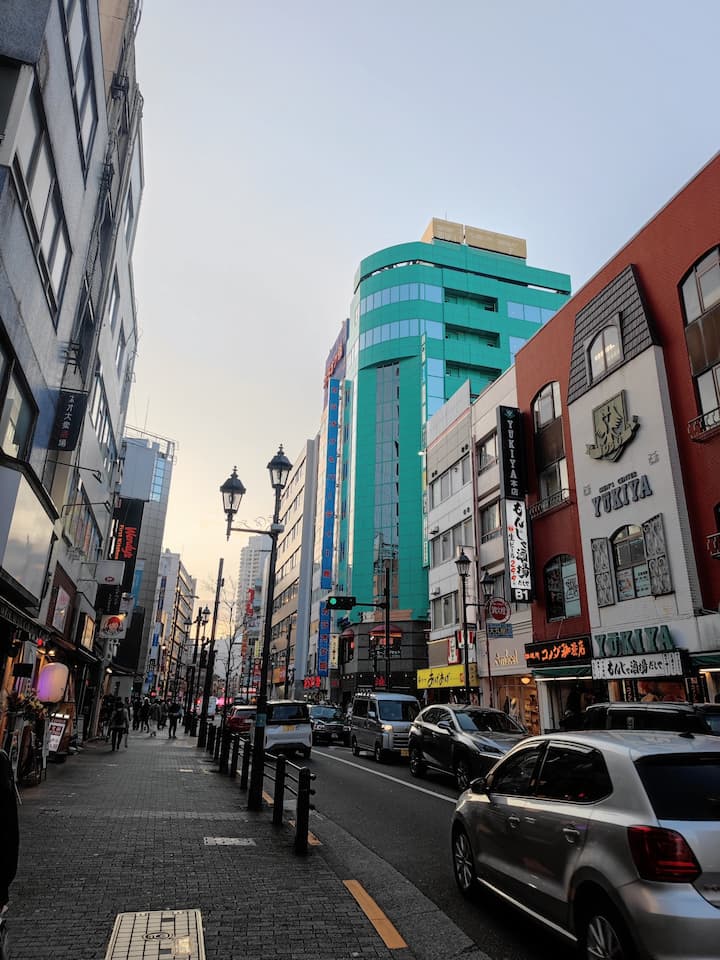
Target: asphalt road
x,y
406,821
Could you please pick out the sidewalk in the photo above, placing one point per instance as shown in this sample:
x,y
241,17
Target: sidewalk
x,y
143,829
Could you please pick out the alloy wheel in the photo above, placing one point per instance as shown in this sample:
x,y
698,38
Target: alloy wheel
x,y
463,865
417,767
462,774
602,940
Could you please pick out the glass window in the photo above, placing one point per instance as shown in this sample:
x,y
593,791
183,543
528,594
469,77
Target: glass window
x,y
546,406
514,310
16,420
436,387
573,774
414,327
487,452
490,522
547,314
434,367
404,328
413,291
465,470
709,390
514,776
394,330
129,218
553,482
562,591
473,720
433,293
404,291
605,351
394,294
683,786
632,575
701,290
434,330
385,298
532,314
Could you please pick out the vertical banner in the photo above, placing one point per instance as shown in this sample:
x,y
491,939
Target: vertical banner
x,y
513,488
69,415
330,484
323,664
128,515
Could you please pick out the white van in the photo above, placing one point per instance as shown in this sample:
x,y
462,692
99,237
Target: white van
x,y
381,723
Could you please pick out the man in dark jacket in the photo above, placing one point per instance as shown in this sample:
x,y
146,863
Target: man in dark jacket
x,y
174,711
9,834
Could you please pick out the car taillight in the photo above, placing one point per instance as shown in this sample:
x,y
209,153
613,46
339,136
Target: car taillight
x,y
662,855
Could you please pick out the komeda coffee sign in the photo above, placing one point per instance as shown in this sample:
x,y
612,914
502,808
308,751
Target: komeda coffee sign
x,y
513,485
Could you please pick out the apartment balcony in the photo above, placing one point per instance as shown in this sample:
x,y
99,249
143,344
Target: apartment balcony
x,y
559,499
704,427
713,545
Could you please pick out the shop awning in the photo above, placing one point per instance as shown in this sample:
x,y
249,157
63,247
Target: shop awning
x,y
705,660
575,671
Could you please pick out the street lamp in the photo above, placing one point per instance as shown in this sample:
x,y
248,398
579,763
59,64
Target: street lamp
x,y
463,568
203,615
232,492
487,585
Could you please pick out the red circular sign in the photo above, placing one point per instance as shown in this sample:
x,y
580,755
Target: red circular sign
x,y
499,609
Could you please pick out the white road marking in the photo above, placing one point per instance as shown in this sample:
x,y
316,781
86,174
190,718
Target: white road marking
x,y
386,776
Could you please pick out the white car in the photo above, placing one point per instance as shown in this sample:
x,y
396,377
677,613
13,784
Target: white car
x,y
288,727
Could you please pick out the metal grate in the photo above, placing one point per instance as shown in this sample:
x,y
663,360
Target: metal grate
x,y
157,935
228,842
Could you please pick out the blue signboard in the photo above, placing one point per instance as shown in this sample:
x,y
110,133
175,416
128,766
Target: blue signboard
x,y
330,482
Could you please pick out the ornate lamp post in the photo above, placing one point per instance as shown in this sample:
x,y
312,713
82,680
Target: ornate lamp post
x,y
487,585
203,615
232,492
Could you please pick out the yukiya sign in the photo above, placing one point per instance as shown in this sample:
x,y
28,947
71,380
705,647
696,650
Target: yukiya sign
x,y
628,489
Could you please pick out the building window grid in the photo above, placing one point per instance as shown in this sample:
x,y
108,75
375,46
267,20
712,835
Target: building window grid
x,y
80,69
158,478
80,527
450,481
447,545
398,329
400,293
18,412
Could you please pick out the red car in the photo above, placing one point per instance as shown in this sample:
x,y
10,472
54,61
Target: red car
x,y
241,719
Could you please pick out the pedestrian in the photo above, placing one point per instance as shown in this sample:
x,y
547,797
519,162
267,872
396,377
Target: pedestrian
x,y
106,709
174,711
128,709
155,718
163,715
9,841
145,716
136,713
117,725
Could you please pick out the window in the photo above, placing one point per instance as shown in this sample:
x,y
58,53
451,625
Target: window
x,y
605,352
514,777
80,526
708,385
114,303
487,452
490,522
632,563
562,592
632,577
17,409
120,351
444,611
546,405
701,289
80,65
573,774
40,200
158,477
553,482
100,419
682,786
129,218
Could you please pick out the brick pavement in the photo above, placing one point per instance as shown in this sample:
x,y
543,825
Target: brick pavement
x,y
138,830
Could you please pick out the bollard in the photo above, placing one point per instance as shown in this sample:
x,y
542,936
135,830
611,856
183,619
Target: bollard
x,y
302,818
210,738
235,753
218,742
225,751
279,794
245,772
202,735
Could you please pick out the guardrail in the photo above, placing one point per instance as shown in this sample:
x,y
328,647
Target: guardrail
x,y
232,749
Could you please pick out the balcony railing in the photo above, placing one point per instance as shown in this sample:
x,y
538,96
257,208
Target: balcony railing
x,y
713,545
559,499
705,426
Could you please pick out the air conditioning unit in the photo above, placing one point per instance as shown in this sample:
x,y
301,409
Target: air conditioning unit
x,y
434,530
435,591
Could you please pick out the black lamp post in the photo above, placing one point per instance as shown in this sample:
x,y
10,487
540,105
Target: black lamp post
x,y
203,615
487,585
232,492
463,568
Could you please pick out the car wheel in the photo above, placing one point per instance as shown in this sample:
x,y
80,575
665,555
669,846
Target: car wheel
x,y
462,774
355,748
603,935
463,862
417,767
378,753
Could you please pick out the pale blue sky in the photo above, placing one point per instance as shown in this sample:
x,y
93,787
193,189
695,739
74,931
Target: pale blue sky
x,y
284,141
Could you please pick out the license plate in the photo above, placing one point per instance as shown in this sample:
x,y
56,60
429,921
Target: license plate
x,y
289,727
404,753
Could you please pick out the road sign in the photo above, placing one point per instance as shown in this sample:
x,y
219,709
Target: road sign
x,y
500,631
499,609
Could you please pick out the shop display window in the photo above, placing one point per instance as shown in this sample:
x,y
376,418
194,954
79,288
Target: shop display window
x,y
562,591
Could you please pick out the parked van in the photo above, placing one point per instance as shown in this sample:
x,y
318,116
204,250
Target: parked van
x,y
381,723
288,727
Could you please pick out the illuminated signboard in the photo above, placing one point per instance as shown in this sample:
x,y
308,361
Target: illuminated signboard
x,y
514,487
543,654
330,484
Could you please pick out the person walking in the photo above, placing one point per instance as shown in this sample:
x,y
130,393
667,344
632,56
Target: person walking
x,y
163,715
174,711
136,713
145,716
155,718
117,725
128,711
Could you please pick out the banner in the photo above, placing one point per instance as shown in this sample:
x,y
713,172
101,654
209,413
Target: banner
x,y
69,415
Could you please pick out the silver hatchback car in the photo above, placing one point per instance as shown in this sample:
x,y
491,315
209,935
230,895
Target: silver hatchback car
x,y
612,839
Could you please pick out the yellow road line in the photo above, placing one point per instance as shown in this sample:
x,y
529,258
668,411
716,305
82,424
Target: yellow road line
x,y
267,798
387,932
312,839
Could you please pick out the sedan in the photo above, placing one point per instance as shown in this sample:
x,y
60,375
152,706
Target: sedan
x,y
611,839
464,741
327,723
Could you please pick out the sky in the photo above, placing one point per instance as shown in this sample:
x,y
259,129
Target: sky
x,y
284,141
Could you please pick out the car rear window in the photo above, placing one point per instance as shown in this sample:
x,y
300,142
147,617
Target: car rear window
x,y
288,713
680,721
682,786
325,713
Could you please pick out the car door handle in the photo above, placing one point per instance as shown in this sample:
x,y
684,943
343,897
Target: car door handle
x,y
514,822
572,834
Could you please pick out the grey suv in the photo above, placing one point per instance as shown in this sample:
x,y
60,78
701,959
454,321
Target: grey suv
x,y
610,838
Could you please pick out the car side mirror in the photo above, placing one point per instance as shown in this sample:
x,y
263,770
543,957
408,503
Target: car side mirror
x,y
479,786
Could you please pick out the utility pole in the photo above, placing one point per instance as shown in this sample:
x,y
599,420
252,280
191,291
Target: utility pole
x,y
202,736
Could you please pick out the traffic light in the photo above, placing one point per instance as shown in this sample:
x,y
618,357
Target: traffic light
x,y
340,603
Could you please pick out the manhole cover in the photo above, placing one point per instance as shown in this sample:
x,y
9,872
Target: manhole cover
x,y
157,935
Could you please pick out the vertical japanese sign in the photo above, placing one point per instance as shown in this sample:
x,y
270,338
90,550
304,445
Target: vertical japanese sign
x,y
330,483
323,665
69,415
513,487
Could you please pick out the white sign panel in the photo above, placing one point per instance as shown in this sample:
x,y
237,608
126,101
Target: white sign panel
x,y
112,626
518,551
667,664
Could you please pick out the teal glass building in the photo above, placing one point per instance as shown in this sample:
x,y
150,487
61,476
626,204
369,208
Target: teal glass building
x,y
425,317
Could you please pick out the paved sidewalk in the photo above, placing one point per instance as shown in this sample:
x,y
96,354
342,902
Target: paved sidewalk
x,y
142,829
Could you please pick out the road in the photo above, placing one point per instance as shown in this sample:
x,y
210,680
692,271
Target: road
x,y
406,821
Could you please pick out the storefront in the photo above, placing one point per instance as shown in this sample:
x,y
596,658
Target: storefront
x,y
563,674
447,684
